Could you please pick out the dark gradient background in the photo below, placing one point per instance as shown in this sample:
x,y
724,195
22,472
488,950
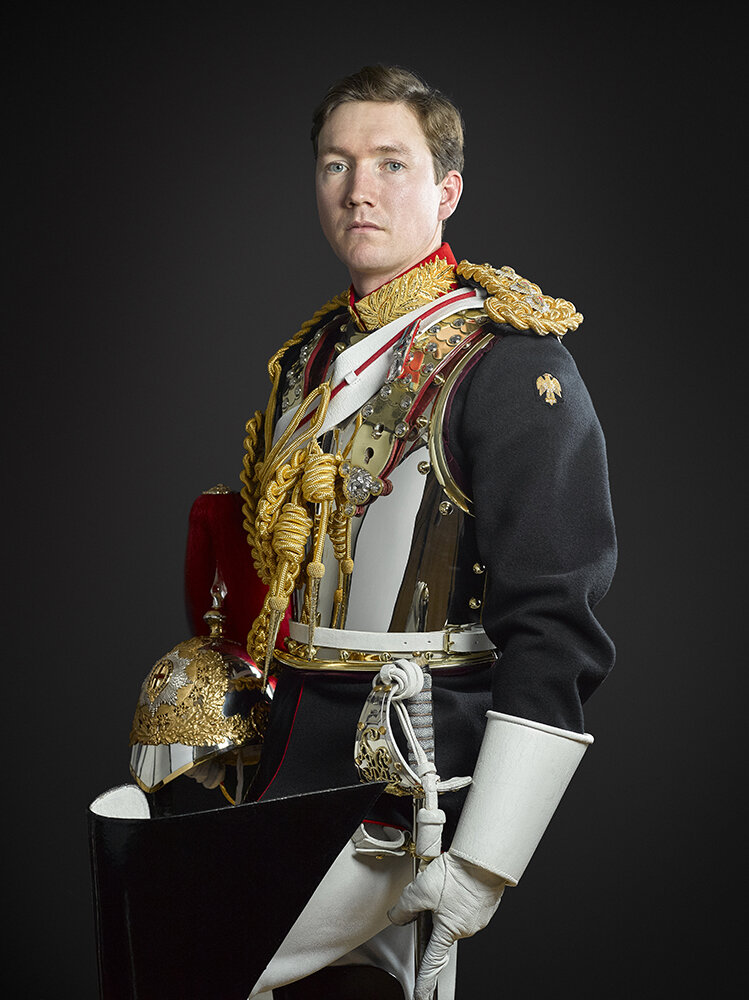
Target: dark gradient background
x,y
162,242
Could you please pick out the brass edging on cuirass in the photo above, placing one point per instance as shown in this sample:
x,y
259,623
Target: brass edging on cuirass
x,y
436,443
374,661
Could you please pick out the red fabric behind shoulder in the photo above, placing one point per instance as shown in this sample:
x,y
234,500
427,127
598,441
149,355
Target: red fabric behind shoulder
x,y
217,540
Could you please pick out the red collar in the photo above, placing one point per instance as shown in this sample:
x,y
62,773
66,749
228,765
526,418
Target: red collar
x,y
442,252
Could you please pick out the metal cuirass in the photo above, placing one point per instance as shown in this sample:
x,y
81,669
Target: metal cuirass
x,y
416,567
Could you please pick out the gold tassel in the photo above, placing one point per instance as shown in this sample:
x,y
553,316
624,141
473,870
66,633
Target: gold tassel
x,y
277,607
289,537
294,474
340,536
318,487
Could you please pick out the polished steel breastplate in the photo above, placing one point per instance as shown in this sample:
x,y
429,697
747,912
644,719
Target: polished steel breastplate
x,y
415,561
416,566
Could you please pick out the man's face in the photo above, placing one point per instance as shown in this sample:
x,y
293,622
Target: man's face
x,y
380,208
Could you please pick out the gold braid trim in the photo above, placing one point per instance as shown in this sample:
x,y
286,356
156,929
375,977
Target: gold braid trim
x,y
250,484
270,474
337,302
415,288
274,365
517,301
294,494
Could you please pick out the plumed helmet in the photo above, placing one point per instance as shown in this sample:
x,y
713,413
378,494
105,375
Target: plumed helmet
x,y
203,699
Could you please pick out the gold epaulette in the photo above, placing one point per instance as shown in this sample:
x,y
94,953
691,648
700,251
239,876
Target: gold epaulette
x,y
515,300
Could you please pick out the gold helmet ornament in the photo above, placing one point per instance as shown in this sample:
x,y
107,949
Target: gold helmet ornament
x,y
203,700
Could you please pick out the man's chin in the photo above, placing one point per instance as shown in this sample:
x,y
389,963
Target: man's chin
x,y
365,253
365,282
369,267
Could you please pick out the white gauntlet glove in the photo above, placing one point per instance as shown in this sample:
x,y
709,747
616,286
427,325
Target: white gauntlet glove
x,y
462,897
521,773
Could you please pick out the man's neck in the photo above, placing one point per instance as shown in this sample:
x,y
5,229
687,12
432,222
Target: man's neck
x,y
425,281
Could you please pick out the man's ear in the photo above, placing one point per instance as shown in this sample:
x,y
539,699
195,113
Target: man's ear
x,y
452,188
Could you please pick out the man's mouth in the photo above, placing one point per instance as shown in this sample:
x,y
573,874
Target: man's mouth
x,y
361,225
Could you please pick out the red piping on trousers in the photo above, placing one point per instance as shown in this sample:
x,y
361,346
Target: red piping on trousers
x,y
379,822
283,756
376,822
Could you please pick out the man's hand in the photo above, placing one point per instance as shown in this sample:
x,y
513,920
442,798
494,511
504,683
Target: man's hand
x,y
462,897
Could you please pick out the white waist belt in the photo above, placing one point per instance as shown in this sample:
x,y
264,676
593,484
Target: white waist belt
x,y
468,641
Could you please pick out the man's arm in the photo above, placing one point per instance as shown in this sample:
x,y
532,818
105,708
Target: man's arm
x,y
537,472
524,432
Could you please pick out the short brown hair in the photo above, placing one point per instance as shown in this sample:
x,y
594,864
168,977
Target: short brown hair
x,y
440,120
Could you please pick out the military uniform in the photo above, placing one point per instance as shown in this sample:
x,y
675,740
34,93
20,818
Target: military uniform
x,y
481,508
427,487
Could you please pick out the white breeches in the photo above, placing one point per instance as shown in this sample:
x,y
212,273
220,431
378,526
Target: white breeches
x,y
346,922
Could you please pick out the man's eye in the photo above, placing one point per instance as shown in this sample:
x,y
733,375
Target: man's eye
x,y
335,168
393,166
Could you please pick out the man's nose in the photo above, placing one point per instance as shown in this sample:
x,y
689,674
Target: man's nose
x,y
362,188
